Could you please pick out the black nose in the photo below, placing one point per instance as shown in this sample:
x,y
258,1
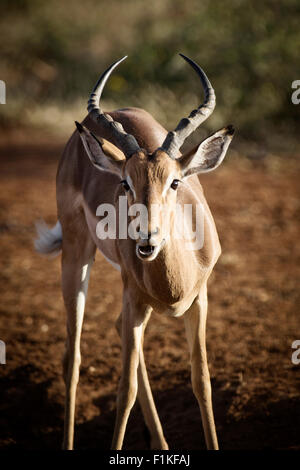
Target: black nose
x,y
146,236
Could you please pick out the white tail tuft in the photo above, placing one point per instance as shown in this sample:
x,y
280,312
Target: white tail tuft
x,y
50,239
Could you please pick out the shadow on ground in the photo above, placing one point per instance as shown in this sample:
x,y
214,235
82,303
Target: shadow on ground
x,y
32,421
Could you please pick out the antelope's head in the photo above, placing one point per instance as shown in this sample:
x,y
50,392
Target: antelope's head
x,y
152,180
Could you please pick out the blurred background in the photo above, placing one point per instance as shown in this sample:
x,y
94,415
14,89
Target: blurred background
x,y
51,55
53,52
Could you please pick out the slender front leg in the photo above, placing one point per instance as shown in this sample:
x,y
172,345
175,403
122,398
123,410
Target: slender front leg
x,y
148,407
145,396
195,324
133,317
76,264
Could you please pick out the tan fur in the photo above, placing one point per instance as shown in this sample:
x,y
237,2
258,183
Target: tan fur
x,y
174,283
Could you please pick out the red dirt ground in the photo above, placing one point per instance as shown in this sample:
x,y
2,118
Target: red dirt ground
x,y
253,319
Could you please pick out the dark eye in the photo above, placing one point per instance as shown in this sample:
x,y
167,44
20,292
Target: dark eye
x,y
125,185
175,184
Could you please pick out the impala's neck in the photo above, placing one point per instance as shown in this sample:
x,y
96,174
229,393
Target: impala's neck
x,y
177,270
172,275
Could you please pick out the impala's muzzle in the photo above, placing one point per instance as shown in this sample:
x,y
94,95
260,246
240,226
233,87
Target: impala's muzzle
x,y
148,246
146,251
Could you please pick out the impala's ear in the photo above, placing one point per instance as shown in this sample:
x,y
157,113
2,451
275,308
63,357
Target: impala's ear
x,y
103,155
208,155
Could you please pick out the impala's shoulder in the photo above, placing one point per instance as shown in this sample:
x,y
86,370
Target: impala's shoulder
x,y
135,116
131,112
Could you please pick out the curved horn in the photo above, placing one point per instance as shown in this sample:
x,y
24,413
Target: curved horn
x,y
126,142
186,126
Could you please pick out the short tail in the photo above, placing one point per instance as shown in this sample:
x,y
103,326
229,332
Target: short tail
x,y
49,240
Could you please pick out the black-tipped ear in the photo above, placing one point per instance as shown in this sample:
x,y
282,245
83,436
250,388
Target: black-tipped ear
x,y
209,155
79,127
230,129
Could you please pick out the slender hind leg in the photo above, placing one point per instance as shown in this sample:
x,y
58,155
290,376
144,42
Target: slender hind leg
x,y
77,259
145,396
195,324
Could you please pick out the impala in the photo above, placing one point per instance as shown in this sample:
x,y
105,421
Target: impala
x,y
134,157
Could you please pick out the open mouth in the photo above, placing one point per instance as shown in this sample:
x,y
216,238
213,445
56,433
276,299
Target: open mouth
x,y
146,251
149,252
